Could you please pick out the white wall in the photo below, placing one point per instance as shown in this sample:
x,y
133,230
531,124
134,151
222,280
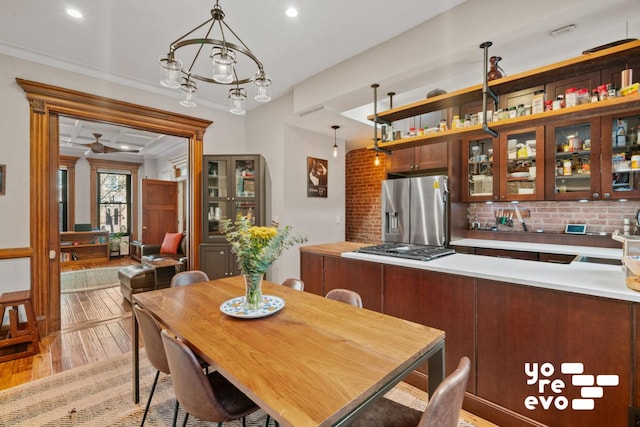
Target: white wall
x,y
286,149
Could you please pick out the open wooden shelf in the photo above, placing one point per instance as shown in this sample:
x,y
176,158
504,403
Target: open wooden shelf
x,y
610,106
614,56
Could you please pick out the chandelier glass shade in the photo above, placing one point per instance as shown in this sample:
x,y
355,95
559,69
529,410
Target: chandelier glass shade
x,y
226,60
189,92
237,97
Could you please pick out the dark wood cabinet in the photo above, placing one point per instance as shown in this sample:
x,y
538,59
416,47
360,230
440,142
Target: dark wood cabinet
x,y
438,300
426,157
311,272
362,277
620,154
519,325
510,167
573,160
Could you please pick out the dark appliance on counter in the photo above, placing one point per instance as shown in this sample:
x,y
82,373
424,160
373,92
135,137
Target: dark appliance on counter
x,y
414,218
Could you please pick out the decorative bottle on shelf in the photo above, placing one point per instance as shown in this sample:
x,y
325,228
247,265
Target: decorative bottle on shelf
x,y
495,71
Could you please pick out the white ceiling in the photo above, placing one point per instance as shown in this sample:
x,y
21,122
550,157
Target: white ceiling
x,y
122,41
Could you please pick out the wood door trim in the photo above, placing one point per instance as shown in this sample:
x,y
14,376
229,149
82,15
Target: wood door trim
x,y
46,103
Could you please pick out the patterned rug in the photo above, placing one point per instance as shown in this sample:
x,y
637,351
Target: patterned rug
x,y
89,280
99,394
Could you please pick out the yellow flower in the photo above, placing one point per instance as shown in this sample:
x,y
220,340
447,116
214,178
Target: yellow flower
x,y
257,247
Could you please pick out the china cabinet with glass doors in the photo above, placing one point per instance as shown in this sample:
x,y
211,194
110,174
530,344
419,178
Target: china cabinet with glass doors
x,y
573,159
232,186
621,175
509,167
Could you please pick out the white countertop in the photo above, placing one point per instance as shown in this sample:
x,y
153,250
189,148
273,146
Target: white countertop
x,y
587,251
601,280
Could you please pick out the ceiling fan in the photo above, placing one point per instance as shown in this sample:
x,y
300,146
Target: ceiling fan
x,y
99,148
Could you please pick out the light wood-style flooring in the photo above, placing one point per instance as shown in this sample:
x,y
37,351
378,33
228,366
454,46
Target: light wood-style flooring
x,y
96,325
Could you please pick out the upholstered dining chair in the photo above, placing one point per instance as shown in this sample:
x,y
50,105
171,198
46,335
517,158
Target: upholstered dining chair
x,y
154,350
443,409
188,278
208,397
292,283
346,296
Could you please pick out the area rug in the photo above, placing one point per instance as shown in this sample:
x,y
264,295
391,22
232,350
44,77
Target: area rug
x,y
89,280
99,394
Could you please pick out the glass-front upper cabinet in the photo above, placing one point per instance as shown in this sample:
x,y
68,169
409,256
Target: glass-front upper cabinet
x,y
572,156
522,164
478,166
621,156
233,185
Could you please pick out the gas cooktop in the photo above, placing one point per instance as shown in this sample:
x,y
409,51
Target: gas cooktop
x,y
408,251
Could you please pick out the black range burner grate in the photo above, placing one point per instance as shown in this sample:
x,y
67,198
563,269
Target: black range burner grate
x,y
408,251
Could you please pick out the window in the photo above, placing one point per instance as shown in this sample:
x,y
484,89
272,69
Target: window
x,y
63,202
66,192
129,216
114,202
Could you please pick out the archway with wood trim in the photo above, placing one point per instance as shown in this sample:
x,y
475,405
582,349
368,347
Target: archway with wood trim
x,y
47,103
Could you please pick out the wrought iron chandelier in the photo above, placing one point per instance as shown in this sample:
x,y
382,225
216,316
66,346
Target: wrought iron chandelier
x,y
225,56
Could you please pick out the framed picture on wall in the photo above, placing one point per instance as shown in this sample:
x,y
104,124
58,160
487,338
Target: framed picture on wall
x,y
317,176
3,179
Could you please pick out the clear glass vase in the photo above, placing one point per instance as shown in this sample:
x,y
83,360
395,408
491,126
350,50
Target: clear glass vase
x,y
253,291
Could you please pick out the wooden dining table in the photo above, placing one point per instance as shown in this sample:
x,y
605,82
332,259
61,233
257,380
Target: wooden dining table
x,y
314,362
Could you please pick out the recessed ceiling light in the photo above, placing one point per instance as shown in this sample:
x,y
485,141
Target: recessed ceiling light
x,y
74,13
292,12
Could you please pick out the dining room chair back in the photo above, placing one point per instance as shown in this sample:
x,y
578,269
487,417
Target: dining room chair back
x,y
189,278
292,283
208,397
346,296
443,409
154,349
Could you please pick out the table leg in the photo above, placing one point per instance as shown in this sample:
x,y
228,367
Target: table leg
x,y
436,370
135,360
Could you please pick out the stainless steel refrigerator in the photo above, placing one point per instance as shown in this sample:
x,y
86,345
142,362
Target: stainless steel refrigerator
x,y
415,210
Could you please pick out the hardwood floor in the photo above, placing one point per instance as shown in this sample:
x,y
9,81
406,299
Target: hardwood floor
x,y
96,325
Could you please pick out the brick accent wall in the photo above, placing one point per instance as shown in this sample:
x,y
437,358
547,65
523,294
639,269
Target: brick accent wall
x,y
363,204
600,216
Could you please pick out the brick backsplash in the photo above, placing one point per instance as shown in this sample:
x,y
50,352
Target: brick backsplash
x,y
363,207
600,216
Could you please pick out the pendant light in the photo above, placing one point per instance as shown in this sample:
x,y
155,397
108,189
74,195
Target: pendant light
x,y
228,62
335,141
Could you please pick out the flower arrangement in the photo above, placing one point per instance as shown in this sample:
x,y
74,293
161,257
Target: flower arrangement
x,y
256,248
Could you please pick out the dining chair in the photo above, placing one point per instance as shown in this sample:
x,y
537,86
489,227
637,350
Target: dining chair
x,y
346,296
188,278
154,349
208,397
443,409
292,283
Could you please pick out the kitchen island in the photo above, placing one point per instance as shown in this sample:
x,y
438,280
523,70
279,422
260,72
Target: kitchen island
x,y
507,315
